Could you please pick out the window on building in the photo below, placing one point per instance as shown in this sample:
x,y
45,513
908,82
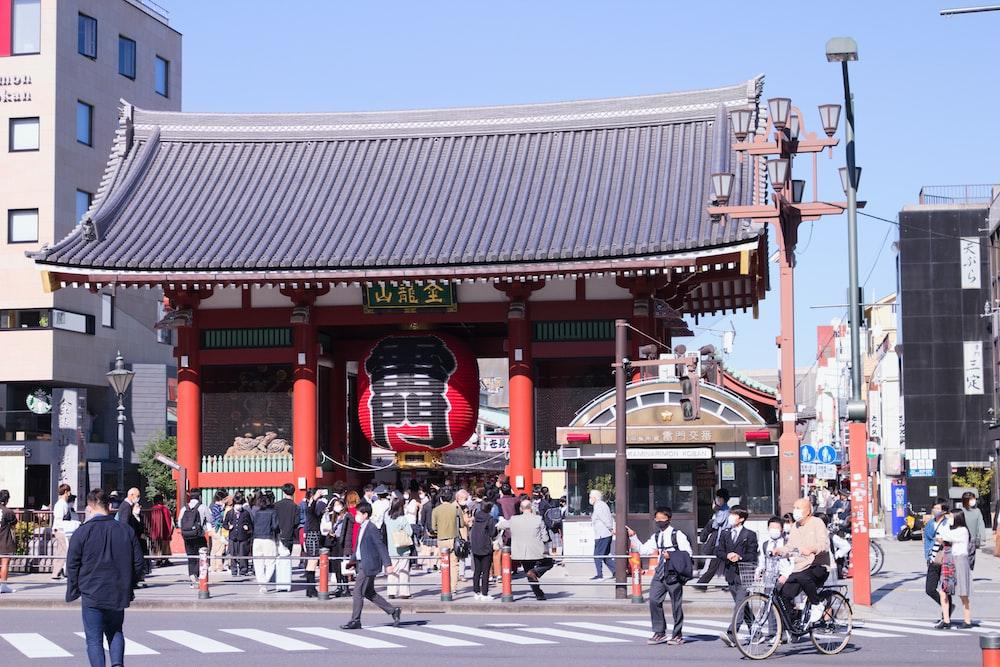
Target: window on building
x,y
22,225
126,57
162,67
23,135
86,36
84,123
25,24
108,310
83,201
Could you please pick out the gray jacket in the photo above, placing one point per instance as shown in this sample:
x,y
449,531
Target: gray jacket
x,y
974,521
601,520
527,537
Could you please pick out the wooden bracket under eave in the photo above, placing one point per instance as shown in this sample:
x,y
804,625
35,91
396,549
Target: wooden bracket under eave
x,y
50,282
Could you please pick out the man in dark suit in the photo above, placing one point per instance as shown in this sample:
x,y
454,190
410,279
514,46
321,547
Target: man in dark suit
x,y
368,556
736,545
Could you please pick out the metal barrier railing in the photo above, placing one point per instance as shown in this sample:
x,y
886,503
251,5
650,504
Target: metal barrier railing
x,y
635,578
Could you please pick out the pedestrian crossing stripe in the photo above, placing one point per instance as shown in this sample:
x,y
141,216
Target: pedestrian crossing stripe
x,y
273,639
567,634
195,641
600,627
926,625
492,634
131,647
33,645
924,631
351,638
426,637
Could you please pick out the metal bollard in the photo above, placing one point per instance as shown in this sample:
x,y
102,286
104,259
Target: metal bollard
x,y
990,645
445,567
324,574
636,564
203,574
507,593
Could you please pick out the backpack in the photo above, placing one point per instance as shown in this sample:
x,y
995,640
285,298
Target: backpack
x,y
553,518
191,526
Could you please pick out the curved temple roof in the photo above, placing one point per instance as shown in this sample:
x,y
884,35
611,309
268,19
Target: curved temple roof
x,y
610,180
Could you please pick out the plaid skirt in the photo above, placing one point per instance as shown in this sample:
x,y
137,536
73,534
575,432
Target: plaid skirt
x,y
312,544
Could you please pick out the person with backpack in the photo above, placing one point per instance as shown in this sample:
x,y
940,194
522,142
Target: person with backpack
x,y
239,523
552,515
195,522
675,568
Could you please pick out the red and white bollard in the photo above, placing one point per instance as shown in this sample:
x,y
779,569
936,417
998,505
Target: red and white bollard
x,y
507,593
990,645
203,574
636,564
324,574
445,567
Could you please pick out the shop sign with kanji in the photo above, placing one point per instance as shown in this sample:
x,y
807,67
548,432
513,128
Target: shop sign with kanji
x,y
436,295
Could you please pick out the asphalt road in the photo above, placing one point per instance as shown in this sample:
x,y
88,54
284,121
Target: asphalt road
x,y
269,638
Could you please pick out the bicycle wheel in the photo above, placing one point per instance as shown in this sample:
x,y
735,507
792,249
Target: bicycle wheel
x,y
876,557
831,634
759,627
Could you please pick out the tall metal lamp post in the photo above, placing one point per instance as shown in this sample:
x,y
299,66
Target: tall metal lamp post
x,y
120,378
844,50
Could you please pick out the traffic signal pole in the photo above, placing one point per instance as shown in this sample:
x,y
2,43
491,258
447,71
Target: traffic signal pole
x,y
621,468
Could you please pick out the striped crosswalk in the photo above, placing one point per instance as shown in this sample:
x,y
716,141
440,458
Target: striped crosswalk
x,y
172,643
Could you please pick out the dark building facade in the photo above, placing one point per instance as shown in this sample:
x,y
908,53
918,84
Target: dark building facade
x,y
947,355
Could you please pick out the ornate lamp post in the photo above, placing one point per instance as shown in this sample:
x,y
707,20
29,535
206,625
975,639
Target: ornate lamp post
x,y
120,378
784,138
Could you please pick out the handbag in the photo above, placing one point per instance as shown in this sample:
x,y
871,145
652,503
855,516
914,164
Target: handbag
x,y
461,548
401,539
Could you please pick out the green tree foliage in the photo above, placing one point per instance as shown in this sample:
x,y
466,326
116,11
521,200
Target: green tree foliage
x,y
158,476
980,479
603,483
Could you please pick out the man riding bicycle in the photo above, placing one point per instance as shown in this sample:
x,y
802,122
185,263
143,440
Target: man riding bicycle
x,y
809,545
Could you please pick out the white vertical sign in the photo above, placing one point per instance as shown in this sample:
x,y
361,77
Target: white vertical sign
x,y
969,262
875,415
973,363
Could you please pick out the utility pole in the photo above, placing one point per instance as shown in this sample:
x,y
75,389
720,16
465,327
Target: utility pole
x,y
621,463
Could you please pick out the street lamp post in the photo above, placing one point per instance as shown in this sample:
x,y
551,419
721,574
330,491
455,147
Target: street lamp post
x,y
120,378
844,50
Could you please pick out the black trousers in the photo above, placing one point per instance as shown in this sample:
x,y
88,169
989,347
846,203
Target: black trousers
x,y
713,564
659,589
238,549
539,567
808,580
191,548
739,593
481,573
364,588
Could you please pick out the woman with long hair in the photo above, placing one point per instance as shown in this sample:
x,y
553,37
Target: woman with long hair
x,y
400,536
265,540
339,540
956,575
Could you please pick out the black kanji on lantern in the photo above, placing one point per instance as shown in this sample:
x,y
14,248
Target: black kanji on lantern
x,y
409,379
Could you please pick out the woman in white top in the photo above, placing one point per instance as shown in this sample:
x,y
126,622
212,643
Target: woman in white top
x,y
956,534
62,516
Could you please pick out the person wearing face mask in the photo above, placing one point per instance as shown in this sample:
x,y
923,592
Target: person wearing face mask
x,y
809,545
956,575
674,569
342,524
736,545
975,523
710,537
239,524
933,554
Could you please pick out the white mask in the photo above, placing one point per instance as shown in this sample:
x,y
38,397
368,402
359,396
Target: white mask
x,y
775,533
337,507
972,502
797,514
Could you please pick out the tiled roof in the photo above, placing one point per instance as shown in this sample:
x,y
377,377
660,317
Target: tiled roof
x,y
605,179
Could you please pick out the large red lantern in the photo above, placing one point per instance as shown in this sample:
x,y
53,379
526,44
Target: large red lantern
x,y
418,392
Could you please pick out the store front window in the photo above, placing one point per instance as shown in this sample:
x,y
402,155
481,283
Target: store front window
x,y
752,481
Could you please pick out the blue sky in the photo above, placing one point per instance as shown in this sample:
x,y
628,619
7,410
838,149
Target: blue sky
x,y
925,88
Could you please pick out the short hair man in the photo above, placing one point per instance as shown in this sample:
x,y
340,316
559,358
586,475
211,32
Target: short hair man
x,y
674,549
528,537
288,522
103,566
736,545
710,536
369,557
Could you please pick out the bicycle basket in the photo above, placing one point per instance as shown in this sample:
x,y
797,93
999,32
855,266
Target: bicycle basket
x,y
758,580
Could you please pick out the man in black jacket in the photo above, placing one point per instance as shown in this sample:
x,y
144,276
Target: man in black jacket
x,y
103,566
736,545
288,523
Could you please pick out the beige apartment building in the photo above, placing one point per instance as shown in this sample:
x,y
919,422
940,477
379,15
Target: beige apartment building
x,y
65,67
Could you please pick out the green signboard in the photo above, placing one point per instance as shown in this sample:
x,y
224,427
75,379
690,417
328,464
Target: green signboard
x,y
433,294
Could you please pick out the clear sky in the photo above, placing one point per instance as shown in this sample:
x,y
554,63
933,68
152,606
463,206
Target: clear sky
x,y
926,90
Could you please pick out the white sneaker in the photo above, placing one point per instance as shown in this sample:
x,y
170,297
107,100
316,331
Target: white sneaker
x,y
816,613
4,588
488,598
478,597
262,589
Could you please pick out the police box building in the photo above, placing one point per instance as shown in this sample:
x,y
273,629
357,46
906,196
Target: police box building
x,y
333,278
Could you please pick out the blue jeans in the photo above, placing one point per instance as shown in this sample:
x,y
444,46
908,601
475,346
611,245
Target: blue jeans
x,y
602,547
99,624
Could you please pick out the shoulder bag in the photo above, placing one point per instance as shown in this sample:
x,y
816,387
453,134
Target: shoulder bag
x,y
462,547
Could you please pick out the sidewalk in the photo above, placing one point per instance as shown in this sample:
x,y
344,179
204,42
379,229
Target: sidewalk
x,y
897,592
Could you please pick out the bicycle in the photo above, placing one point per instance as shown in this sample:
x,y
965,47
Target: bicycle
x,y
761,620
876,555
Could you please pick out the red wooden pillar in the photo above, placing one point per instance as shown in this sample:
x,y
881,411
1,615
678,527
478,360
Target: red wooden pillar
x,y
522,399
188,407
305,422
